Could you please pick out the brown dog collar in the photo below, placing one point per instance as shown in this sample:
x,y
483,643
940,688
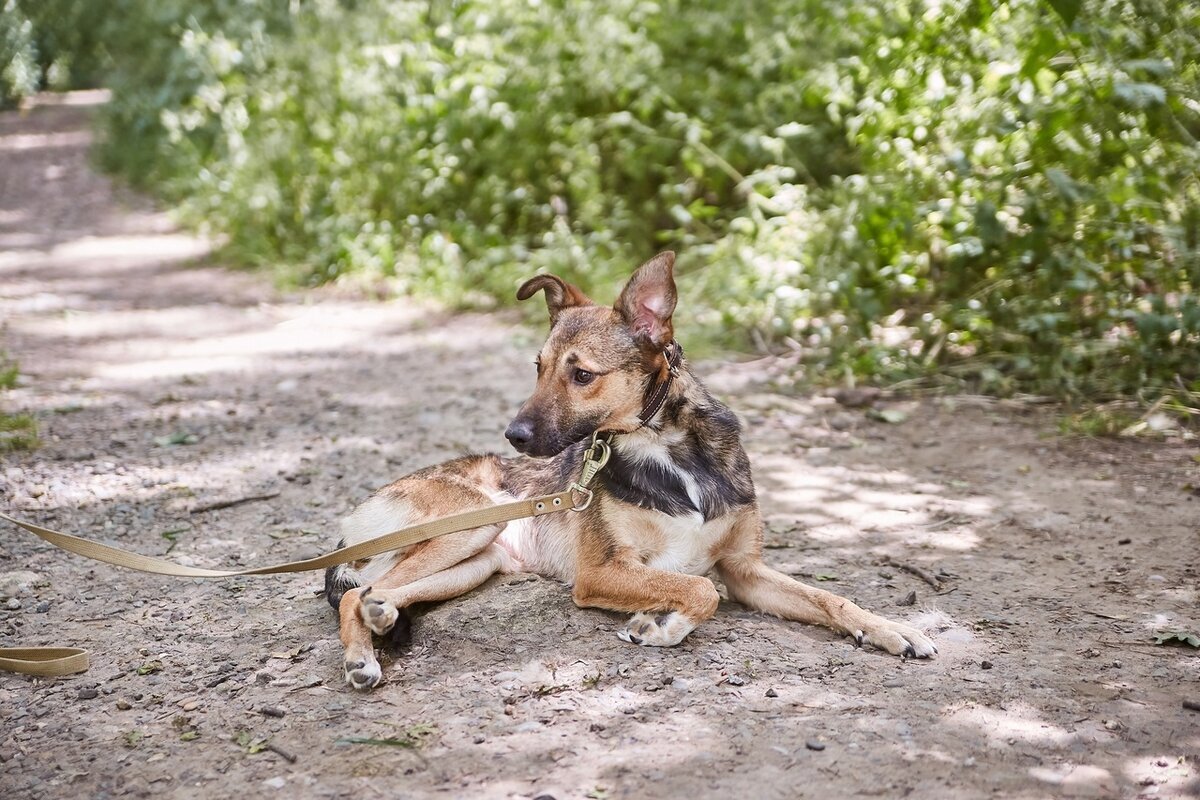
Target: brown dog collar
x,y
658,393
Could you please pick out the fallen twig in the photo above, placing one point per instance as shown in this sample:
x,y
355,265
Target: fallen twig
x,y
1192,705
279,751
923,574
237,501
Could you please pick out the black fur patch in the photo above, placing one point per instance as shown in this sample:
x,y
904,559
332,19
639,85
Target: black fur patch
x,y
338,581
647,484
710,455
400,636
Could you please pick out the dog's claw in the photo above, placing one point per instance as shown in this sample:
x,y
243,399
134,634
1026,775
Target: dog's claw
x,y
858,638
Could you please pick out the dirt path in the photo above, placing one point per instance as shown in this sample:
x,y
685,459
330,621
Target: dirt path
x,y
1057,560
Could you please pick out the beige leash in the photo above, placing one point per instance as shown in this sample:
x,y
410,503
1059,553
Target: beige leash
x,y
48,661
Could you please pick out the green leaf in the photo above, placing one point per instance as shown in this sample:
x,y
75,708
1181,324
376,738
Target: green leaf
x,y
1155,66
1065,185
822,576
1178,637
376,742
892,416
1067,10
178,437
1139,95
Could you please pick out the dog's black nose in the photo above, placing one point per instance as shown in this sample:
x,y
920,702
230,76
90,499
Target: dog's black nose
x,y
519,433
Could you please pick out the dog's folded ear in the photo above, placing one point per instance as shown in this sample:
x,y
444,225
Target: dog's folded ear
x,y
648,301
559,294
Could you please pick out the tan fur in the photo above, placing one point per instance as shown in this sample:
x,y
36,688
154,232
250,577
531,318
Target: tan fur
x,y
647,557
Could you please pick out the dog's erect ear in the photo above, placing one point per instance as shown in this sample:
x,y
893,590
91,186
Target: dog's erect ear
x,y
559,293
648,301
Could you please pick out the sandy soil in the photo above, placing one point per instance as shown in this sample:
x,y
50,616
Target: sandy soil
x,y
1056,559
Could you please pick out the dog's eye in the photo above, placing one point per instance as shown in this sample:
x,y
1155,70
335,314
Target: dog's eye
x,y
583,377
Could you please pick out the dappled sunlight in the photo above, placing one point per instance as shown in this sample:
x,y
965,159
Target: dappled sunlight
x,y
17,142
106,257
841,504
1017,720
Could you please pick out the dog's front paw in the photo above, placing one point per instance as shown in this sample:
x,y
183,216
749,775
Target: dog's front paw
x,y
896,638
364,674
376,613
663,630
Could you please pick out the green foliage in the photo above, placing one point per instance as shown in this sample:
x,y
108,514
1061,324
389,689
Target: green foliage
x,y
18,56
55,44
1004,192
17,431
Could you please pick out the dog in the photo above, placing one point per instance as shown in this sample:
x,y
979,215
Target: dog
x,y
674,501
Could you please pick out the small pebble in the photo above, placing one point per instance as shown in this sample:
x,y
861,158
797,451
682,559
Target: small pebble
x,y
124,705
479,738
908,599
42,607
544,796
813,744
736,680
13,604
772,693
272,711
89,694
985,665
1126,540
275,783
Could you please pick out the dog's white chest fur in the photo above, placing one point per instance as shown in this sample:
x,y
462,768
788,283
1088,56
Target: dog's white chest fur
x,y
674,543
682,544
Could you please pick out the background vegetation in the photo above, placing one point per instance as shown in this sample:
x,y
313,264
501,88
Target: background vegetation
x,y
1002,195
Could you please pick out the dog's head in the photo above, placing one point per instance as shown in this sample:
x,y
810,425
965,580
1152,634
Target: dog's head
x,y
594,369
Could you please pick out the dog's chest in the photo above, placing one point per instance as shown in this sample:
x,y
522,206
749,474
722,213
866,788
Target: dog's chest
x,y
684,544
658,513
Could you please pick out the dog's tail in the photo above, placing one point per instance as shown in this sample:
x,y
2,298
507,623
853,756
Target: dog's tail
x,y
341,579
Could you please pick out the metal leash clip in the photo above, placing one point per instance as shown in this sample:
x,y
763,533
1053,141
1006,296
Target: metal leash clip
x,y
594,459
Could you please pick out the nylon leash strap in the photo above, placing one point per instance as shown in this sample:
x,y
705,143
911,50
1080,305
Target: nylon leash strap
x,y
54,661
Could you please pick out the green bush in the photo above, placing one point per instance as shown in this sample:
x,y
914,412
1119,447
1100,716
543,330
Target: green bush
x,y
19,75
55,44
1000,192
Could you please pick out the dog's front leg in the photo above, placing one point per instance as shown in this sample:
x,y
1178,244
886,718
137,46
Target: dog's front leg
x,y
754,584
668,605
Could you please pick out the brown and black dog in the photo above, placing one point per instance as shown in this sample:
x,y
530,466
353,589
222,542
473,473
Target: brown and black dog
x,y
675,500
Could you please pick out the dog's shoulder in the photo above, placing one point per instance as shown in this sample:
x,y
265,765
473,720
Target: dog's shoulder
x,y
693,462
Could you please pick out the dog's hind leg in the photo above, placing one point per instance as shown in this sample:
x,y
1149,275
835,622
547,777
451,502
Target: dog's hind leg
x,y
382,605
384,600
443,585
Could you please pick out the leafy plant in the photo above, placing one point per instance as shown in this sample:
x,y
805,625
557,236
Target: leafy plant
x,y
1001,194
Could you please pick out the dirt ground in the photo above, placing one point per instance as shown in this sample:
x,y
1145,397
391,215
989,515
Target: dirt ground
x,y
163,383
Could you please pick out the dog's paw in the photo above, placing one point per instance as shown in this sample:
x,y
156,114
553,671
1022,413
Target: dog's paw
x,y
363,675
663,630
896,638
377,614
